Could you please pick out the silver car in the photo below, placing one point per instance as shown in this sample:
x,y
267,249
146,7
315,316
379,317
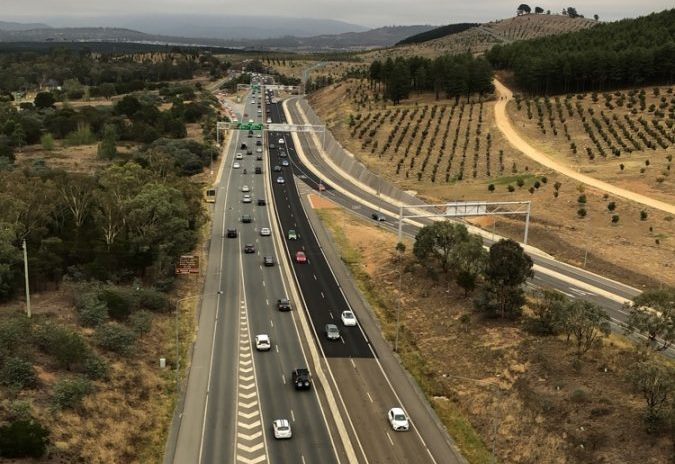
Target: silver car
x,y
332,332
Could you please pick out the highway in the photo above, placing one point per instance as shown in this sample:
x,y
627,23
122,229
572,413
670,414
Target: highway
x,y
364,389
549,273
234,392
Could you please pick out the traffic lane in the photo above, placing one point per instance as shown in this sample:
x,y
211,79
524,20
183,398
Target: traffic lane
x,y
324,300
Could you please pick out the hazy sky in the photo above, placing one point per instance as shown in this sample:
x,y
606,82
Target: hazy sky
x,y
365,12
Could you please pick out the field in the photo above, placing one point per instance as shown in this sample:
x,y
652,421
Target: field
x,y
446,150
525,394
479,39
626,137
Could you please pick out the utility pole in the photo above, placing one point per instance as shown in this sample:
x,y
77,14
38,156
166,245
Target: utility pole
x,y
25,272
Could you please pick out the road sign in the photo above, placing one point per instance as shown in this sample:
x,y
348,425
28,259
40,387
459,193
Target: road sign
x,y
187,264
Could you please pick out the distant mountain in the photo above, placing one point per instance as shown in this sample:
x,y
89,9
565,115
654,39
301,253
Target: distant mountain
x,y
9,26
437,33
226,27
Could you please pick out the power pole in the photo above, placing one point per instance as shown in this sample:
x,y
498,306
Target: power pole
x,y
25,272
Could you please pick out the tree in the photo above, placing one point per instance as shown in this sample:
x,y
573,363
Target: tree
x,y
572,12
128,106
523,9
439,241
10,260
656,383
44,100
23,438
653,314
506,270
586,323
77,195
538,10
107,149
596,17
549,312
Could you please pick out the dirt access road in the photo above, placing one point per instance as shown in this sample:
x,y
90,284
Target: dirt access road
x,y
504,125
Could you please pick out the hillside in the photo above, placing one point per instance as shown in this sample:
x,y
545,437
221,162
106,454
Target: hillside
x,y
11,26
481,38
437,33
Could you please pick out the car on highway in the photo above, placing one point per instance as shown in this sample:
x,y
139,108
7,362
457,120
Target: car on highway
x,y
285,163
238,156
261,202
378,217
282,429
281,180
236,165
249,152
284,304
258,157
246,198
301,379
258,135
259,110
258,143
398,419
232,233
272,146
282,154
265,232
243,146
268,261
262,342
348,318
300,257
282,141
258,170
246,218
258,150
249,248
269,120
292,234
276,168
332,332
245,188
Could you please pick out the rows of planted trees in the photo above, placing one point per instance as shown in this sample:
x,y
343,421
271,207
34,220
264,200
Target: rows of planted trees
x,y
628,53
456,76
609,126
431,143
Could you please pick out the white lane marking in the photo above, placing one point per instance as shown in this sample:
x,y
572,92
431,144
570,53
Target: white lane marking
x,y
370,397
283,379
322,295
314,275
390,440
292,415
353,363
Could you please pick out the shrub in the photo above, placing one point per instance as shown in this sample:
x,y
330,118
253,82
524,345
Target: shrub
x,y
81,136
23,438
95,368
18,373
582,199
120,302
116,338
141,322
153,300
581,212
511,188
14,333
47,142
520,182
615,219
66,346
643,215
579,396
91,312
68,393
491,187
611,206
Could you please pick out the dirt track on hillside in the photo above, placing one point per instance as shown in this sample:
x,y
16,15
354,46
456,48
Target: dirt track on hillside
x,y
504,125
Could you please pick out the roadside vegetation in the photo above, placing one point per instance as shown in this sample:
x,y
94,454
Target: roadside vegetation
x,y
106,197
547,381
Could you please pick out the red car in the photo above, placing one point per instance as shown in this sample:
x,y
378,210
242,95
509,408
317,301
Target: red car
x,y
300,257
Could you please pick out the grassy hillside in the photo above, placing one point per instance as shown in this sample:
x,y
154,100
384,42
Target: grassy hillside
x,y
481,38
437,33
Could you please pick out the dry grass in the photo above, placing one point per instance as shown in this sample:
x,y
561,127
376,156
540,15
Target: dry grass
x,y
546,410
628,251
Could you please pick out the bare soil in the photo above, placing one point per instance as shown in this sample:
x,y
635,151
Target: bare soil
x,y
522,392
634,251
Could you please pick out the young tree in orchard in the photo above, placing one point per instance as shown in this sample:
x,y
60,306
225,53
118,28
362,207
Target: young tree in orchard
x,y
538,10
506,270
523,9
653,314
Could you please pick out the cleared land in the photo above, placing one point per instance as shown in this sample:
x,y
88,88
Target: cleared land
x,y
481,38
532,398
446,150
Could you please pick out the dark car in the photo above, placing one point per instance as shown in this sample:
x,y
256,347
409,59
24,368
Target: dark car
x,y
249,248
258,143
378,217
261,202
268,261
243,146
231,233
258,170
246,218
301,379
272,146
283,304
282,154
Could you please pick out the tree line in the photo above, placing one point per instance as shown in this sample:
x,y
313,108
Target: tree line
x,y
456,76
628,53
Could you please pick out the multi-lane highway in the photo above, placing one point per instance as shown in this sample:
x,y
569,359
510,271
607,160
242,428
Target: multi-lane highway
x,y
234,392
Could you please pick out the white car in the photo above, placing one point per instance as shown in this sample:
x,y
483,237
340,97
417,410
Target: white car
x,y
258,150
265,232
238,156
281,141
398,419
262,342
259,111
258,135
282,429
246,199
269,120
245,188
348,318
236,165
250,120
281,180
